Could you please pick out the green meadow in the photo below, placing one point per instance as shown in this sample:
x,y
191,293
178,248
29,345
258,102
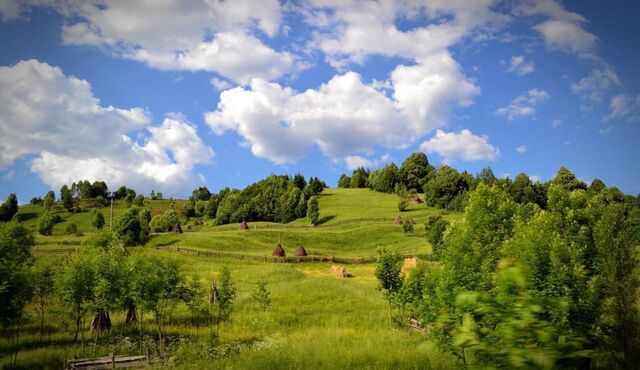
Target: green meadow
x,y
315,320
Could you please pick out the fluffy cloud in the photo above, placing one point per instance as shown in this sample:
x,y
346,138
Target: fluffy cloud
x,y
594,86
524,105
566,36
57,119
9,9
564,30
463,145
622,106
521,149
197,35
426,91
219,84
354,161
351,30
520,66
343,116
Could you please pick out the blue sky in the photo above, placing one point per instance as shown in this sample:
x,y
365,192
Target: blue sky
x,y
221,94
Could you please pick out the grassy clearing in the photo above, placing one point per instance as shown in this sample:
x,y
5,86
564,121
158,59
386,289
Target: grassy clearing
x,y
316,321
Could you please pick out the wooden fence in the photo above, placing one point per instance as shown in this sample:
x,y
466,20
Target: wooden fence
x,y
111,362
272,259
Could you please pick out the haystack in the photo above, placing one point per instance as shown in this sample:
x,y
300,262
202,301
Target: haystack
x,y
244,226
339,271
398,220
408,264
300,251
279,251
412,221
177,229
416,200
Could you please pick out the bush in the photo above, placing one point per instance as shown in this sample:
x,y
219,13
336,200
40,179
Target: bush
x,y
164,222
45,225
159,224
402,205
130,229
435,228
99,201
138,200
71,229
407,227
98,221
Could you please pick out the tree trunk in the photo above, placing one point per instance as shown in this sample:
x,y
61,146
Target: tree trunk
x,y
131,315
82,334
78,319
141,321
101,320
161,337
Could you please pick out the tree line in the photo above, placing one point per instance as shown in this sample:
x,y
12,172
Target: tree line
x,y
516,285
277,198
446,188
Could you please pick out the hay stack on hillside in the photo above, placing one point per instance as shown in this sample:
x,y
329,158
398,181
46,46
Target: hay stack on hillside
x,y
398,220
408,264
300,251
339,271
244,226
412,221
279,251
416,200
177,229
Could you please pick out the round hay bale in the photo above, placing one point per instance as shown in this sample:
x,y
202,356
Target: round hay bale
x,y
244,226
177,229
398,220
279,251
300,251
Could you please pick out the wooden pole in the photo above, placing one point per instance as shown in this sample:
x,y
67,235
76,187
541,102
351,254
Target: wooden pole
x,y
111,215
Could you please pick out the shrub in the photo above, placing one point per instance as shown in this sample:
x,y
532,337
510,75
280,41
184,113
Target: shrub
x,y
46,223
138,200
99,201
159,224
402,205
407,227
70,229
98,221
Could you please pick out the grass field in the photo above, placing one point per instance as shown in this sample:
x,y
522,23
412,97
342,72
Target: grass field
x,y
315,321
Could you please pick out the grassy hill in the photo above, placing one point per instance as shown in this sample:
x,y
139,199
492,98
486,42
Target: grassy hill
x,y
354,223
316,320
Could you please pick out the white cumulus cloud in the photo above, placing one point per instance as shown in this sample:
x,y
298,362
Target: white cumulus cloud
x,y
563,30
524,105
57,119
622,106
598,83
463,145
521,149
520,66
344,115
199,35
349,31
